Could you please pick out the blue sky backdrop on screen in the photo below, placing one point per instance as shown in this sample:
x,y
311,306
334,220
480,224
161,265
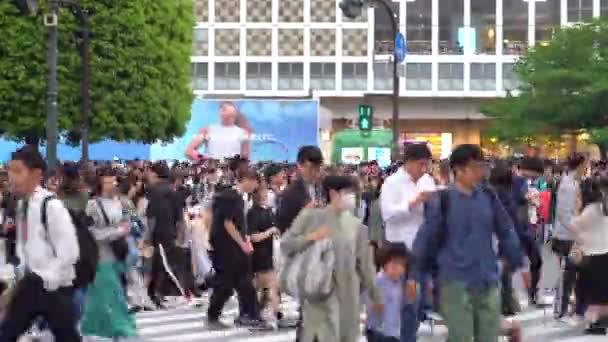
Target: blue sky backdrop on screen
x,y
280,128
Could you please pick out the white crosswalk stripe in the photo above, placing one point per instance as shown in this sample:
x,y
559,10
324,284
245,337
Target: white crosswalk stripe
x,y
186,323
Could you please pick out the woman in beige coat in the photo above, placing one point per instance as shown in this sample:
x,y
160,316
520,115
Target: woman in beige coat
x,y
336,319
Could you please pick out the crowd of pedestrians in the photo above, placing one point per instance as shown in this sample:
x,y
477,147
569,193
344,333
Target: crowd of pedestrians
x,y
94,244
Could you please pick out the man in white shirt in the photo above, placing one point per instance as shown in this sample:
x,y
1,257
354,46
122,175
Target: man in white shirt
x,y
223,141
47,255
402,201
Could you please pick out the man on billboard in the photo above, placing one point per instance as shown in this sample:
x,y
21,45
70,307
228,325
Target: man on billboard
x,y
231,137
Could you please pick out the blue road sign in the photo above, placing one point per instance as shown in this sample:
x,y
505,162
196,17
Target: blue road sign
x,y
400,47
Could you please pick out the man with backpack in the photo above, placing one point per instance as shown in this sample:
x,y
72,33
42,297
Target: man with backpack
x,y
457,236
47,253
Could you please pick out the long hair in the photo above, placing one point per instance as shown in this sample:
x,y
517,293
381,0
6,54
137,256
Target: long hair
x,y
595,190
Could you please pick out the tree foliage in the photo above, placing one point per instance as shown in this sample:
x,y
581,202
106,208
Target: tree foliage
x,y
565,85
139,63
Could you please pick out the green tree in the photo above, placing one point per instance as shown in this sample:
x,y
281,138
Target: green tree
x,y
565,85
140,71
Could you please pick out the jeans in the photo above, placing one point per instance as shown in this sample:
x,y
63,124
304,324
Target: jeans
x,y
470,314
80,296
410,319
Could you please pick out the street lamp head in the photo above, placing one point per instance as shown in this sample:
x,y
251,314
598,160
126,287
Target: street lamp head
x,y
28,7
352,8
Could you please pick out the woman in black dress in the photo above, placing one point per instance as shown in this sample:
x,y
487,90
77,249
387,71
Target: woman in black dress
x,y
261,226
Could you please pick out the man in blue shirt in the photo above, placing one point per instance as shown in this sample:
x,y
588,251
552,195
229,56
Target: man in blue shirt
x,y
458,234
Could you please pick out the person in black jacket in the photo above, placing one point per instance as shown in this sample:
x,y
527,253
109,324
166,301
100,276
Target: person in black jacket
x,y
303,191
164,214
501,178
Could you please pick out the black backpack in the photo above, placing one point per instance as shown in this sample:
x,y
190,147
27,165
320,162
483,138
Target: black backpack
x,y
86,266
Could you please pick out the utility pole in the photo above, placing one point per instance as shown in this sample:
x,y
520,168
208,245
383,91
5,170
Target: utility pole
x,y
353,9
84,83
50,21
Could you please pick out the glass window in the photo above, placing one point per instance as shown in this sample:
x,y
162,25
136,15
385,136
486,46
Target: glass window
x,y
580,10
483,76
418,76
201,11
509,78
451,76
515,27
354,76
323,76
290,11
482,36
547,20
383,76
419,33
383,29
227,11
200,42
200,76
259,76
322,11
291,76
451,27
227,76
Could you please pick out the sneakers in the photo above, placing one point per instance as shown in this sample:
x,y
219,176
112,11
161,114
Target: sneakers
x,y
216,324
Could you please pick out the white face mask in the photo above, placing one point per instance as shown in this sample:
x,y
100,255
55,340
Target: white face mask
x,y
349,201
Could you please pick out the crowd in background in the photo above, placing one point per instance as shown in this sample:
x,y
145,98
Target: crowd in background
x,y
415,241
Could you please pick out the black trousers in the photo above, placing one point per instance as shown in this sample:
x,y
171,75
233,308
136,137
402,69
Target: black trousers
x,y
231,276
30,301
536,264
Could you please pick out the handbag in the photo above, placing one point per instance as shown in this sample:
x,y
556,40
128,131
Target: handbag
x,y
120,246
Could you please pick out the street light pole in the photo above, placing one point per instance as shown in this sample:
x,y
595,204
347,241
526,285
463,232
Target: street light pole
x,y
395,98
51,109
84,83
353,9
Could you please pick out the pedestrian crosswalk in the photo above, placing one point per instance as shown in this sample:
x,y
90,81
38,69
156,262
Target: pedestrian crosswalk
x,y
187,324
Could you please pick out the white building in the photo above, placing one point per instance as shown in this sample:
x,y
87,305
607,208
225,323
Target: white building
x,y
460,53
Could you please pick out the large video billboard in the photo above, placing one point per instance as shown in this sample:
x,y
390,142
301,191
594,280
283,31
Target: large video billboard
x,y
263,129
269,129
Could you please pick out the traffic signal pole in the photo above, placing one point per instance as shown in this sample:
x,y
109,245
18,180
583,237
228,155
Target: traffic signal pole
x,y
353,9
395,98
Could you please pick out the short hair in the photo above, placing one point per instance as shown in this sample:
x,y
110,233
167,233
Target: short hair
x,y
249,174
501,174
532,164
31,158
392,251
417,151
105,171
310,154
465,153
336,183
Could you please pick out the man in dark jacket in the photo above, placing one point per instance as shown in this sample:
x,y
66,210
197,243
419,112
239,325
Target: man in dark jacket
x,y
303,191
163,213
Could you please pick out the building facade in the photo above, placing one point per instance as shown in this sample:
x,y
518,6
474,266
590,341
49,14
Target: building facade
x,y
460,53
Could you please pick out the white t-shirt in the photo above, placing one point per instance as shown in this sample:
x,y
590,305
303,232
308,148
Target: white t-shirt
x,y
225,141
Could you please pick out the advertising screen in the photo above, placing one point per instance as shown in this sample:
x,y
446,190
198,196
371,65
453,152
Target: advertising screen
x,y
262,129
352,155
382,155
